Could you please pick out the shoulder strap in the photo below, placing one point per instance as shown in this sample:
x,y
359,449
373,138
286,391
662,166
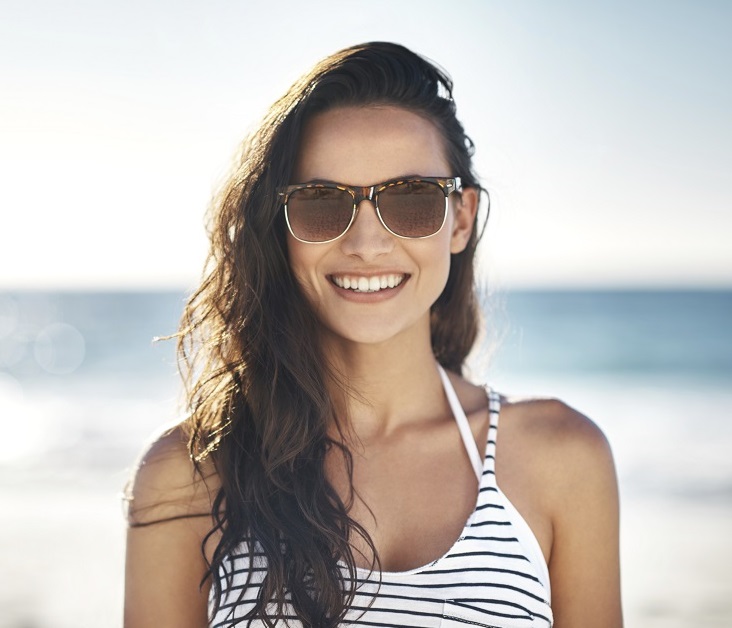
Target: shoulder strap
x,y
462,423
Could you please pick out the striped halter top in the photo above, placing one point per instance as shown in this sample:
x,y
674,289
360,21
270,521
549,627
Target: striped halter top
x,y
494,575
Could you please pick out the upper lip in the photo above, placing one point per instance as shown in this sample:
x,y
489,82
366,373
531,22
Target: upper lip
x,y
366,273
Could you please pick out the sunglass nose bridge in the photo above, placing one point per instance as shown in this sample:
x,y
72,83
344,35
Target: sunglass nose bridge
x,y
364,193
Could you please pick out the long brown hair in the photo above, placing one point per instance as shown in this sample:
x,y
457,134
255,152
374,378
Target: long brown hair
x,y
256,379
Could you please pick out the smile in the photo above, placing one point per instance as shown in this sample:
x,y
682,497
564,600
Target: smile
x,y
367,284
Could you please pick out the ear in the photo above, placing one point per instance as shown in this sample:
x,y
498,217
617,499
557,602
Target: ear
x,y
466,207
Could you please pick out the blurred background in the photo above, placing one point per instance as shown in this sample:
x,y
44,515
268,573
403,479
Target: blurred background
x,y
603,135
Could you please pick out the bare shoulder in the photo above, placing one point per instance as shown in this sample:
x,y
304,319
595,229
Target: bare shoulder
x,y
170,526
559,453
557,433
166,484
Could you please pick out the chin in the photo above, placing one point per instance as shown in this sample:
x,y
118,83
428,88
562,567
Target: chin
x,y
362,337
375,334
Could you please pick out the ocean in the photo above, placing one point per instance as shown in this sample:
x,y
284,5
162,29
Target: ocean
x,y
82,381
83,385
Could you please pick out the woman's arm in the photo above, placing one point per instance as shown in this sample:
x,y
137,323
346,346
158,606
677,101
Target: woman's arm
x,y
584,565
169,515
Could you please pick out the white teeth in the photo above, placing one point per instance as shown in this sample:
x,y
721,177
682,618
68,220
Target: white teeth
x,y
368,284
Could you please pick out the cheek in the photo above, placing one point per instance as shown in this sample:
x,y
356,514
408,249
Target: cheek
x,y
446,250
434,261
303,261
298,258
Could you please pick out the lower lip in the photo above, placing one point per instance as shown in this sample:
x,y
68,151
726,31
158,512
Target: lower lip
x,y
369,297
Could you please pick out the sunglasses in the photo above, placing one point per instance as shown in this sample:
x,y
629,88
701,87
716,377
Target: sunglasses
x,y
407,208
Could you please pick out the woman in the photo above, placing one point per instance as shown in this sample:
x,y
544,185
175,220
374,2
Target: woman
x,y
335,467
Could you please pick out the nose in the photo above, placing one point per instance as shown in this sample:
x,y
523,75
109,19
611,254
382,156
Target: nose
x,y
367,238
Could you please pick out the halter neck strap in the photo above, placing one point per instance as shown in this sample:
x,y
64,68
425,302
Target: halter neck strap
x,y
462,423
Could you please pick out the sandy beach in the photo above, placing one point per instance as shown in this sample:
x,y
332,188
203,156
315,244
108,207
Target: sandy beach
x,y
63,557
675,564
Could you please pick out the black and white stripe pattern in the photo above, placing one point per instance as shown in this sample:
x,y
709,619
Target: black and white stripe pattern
x,y
494,575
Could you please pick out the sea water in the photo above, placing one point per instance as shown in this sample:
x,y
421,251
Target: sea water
x,y
82,383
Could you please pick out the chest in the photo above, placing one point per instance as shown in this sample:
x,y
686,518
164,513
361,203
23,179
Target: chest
x,y
412,495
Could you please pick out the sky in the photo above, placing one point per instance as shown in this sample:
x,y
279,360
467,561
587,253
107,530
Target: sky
x,y
602,130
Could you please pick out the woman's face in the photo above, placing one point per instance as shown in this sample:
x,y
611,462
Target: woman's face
x,y
363,146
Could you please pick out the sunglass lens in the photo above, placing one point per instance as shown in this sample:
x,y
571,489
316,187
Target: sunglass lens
x,y
319,214
414,209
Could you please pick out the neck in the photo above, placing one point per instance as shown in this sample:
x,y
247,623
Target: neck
x,y
388,385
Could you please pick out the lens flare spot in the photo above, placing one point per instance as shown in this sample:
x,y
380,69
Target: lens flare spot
x,y
59,349
8,316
